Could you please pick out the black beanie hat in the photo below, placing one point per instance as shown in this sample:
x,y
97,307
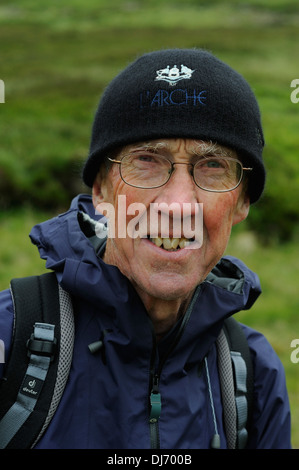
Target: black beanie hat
x,y
179,93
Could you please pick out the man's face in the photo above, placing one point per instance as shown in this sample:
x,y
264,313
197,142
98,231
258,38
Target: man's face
x,y
155,271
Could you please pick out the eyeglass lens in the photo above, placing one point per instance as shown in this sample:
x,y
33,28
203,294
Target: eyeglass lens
x,y
148,170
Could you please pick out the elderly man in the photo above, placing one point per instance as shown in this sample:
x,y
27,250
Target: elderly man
x,y
175,161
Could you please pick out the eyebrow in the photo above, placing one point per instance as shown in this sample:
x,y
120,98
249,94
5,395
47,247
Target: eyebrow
x,y
200,148
211,148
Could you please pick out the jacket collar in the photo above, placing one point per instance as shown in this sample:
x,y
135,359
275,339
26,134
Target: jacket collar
x,y
72,253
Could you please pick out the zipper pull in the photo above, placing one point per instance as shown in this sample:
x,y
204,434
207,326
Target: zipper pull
x,y
155,400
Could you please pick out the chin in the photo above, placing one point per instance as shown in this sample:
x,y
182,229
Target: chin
x,y
169,290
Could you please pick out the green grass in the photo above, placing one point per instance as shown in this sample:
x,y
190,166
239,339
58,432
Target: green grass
x,y
57,57
18,257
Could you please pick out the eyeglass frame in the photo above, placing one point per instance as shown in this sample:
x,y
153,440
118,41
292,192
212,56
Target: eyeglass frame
x,y
184,163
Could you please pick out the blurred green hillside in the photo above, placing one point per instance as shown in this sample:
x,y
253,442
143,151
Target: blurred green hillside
x,y
57,57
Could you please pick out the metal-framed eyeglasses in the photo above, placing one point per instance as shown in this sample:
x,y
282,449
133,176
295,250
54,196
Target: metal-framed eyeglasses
x,y
148,170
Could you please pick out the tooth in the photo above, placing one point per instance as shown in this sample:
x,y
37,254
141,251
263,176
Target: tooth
x,y
183,242
175,242
167,243
157,241
170,243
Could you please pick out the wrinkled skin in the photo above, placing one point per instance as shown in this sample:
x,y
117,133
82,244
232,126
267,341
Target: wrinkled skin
x,y
165,280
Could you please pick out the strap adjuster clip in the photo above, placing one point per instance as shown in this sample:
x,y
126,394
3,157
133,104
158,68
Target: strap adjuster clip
x,y
41,347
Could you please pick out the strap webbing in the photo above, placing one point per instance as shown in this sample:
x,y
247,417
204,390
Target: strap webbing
x,y
36,300
227,390
233,376
238,342
65,355
30,389
241,401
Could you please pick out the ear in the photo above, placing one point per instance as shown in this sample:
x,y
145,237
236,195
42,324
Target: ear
x,y
99,189
242,208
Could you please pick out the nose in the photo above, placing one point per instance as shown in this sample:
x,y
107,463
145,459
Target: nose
x,y
177,204
180,190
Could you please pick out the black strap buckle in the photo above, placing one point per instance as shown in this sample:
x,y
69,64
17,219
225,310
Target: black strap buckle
x,y
41,347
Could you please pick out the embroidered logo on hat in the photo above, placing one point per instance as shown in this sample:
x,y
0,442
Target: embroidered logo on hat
x,y
174,74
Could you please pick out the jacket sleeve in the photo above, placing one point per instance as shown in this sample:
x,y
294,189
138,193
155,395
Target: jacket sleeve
x,y
271,421
6,326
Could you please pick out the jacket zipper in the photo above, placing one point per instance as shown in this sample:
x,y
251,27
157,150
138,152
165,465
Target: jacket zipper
x,y
155,396
155,403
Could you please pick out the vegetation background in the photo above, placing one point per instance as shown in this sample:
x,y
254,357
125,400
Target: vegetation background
x,y
56,58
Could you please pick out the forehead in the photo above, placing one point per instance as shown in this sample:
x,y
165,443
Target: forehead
x,y
190,146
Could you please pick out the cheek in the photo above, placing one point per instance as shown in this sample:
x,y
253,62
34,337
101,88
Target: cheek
x,y
218,213
118,188
130,204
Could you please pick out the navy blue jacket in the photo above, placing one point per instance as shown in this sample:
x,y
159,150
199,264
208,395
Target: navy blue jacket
x,y
106,401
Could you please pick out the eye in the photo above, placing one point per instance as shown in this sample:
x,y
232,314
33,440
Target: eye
x,y
213,164
210,163
145,157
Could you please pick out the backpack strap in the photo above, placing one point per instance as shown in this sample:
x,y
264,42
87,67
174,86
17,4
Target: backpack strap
x,y
236,378
39,362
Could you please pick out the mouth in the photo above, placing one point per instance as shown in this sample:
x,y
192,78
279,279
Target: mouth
x,y
171,244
